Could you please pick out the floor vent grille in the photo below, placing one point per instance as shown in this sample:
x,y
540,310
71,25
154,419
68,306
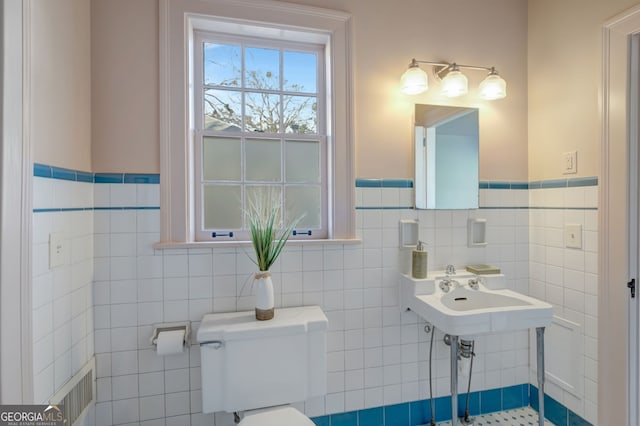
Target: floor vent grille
x,y
76,395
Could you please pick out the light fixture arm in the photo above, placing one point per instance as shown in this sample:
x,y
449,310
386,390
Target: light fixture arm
x,y
444,67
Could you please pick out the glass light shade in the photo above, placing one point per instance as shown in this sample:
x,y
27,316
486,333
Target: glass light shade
x,y
414,81
493,87
454,84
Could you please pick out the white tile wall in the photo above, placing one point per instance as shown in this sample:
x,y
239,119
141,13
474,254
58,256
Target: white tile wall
x,y
62,296
567,278
377,355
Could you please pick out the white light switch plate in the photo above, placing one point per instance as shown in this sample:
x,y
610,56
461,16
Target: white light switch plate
x,y
56,249
573,235
570,162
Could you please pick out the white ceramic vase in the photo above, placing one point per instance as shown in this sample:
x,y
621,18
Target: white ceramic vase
x,y
263,289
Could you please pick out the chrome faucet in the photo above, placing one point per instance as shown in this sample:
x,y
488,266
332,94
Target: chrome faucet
x,y
451,270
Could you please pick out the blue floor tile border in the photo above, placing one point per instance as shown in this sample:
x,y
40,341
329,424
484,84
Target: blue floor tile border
x,y
554,411
417,413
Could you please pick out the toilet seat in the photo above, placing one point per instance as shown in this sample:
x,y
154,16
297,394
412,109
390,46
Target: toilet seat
x,y
275,416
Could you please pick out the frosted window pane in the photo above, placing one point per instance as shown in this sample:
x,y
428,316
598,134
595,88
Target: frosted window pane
x,y
303,200
303,161
262,160
222,207
222,110
222,65
262,112
300,72
221,159
262,68
300,114
264,194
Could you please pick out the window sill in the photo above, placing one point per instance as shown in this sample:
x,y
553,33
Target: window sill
x,y
220,244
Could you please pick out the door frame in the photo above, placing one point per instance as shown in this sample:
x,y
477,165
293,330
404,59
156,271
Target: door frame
x,y
16,366
617,357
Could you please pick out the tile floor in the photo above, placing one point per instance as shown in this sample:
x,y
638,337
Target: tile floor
x,y
525,416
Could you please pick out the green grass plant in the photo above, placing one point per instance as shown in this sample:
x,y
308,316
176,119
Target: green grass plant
x,y
264,216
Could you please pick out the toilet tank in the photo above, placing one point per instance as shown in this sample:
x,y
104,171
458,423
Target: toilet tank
x,y
248,364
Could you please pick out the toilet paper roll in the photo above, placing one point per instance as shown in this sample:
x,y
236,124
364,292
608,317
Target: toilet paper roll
x,y
170,342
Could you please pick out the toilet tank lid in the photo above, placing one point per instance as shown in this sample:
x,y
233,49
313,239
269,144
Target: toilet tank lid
x,y
243,325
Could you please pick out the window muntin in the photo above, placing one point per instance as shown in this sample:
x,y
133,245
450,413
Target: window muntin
x,y
259,122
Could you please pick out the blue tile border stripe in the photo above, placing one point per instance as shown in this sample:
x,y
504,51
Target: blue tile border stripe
x,y
564,183
534,208
551,183
384,208
384,183
52,172
541,184
80,209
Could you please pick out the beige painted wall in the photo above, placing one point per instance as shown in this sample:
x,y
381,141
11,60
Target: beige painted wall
x,y
386,37
124,59
59,80
565,62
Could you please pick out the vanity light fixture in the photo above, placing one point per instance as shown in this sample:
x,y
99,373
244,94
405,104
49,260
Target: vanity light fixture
x,y
414,80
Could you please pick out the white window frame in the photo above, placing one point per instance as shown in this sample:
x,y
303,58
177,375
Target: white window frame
x,y
200,132
178,22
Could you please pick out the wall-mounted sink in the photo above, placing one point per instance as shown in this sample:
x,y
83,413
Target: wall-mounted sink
x,y
463,311
466,305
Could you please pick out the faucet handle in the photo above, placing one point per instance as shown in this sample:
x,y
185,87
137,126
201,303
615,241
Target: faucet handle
x,y
473,283
451,270
445,285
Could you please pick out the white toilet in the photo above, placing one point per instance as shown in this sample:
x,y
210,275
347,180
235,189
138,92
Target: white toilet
x,y
258,367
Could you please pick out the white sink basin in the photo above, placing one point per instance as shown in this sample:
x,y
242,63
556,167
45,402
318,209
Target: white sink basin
x,y
463,311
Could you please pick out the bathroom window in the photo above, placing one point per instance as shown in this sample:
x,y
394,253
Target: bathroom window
x,y
254,95
259,126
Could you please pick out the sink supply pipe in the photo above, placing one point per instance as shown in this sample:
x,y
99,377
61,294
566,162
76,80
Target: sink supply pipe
x,y
432,422
540,359
468,352
454,380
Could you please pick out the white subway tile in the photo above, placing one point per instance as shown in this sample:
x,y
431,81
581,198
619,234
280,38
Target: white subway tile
x,y
124,338
176,380
176,288
122,221
103,389
123,195
123,363
177,403
150,361
122,268
126,411
152,407
104,414
176,310
148,220
148,195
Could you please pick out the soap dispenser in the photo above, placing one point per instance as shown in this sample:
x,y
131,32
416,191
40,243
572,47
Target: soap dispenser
x,y
419,262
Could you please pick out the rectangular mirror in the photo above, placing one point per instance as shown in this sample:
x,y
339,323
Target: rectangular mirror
x,y
446,145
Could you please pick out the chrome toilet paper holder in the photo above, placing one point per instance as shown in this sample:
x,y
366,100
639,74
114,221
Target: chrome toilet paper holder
x,y
171,326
